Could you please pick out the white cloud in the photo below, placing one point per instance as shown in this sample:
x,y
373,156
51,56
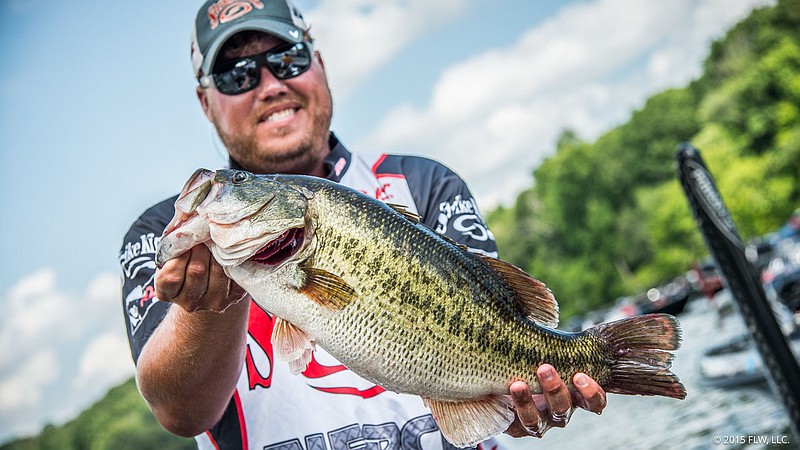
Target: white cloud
x,y
61,350
360,35
22,389
494,117
105,362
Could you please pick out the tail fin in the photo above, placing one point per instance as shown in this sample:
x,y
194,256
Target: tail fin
x,y
640,348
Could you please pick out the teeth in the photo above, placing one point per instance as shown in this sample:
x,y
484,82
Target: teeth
x,y
282,114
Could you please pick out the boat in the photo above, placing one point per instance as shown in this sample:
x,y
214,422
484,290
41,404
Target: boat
x,y
736,362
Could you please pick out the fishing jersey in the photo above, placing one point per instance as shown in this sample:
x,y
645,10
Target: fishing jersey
x,y
326,407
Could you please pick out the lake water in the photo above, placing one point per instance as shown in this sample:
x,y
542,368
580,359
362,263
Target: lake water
x,y
709,418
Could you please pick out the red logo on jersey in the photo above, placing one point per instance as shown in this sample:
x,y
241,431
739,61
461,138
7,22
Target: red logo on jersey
x,y
260,329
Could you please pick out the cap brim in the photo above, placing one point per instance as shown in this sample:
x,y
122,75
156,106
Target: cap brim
x,y
279,29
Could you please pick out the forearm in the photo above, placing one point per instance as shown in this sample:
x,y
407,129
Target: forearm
x,y
188,369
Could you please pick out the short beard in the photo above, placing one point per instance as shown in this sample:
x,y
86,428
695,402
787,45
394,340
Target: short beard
x,y
302,159
299,159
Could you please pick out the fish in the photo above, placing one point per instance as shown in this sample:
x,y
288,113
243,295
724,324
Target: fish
x,y
401,305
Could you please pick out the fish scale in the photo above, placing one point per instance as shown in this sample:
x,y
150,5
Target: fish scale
x,y
456,348
400,305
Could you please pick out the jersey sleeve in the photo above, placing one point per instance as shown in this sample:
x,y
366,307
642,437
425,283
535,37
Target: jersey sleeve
x,y
143,311
447,206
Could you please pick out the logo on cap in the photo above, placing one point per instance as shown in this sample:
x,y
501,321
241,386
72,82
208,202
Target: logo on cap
x,y
226,10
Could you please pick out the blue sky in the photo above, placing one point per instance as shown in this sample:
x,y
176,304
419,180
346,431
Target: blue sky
x,y
99,119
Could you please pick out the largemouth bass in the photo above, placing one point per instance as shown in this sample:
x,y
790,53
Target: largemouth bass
x,y
400,305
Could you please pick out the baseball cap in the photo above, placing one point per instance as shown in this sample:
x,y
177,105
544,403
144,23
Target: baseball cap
x,y
218,20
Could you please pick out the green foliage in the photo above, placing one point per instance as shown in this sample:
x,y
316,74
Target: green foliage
x,y
119,421
608,218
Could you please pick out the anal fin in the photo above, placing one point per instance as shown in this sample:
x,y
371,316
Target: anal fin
x,y
292,344
467,423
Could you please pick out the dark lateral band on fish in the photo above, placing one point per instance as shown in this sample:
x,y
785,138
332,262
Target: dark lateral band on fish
x,y
402,306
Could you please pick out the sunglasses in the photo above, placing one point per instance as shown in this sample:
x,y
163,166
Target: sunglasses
x,y
244,74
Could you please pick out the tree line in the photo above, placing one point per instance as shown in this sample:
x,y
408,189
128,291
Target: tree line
x,y
607,218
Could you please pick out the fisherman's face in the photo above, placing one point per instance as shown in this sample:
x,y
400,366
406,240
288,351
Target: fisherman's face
x,y
280,126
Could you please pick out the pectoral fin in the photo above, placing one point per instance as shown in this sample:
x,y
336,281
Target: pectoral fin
x,y
292,344
327,289
467,423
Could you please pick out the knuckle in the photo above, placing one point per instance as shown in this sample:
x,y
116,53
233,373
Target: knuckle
x,y
168,280
553,390
521,400
196,269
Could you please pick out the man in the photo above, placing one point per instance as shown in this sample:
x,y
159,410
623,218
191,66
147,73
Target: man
x,y
204,359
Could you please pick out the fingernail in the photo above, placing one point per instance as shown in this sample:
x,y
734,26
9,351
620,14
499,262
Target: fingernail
x,y
581,380
547,374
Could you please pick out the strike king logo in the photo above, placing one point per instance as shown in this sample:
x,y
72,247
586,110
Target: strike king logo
x,y
465,219
226,10
134,257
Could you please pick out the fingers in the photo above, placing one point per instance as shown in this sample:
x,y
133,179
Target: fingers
x,y
169,279
556,395
589,395
536,415
529,420
554,407
196,282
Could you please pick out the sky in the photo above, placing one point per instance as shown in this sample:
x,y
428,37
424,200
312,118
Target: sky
x,y
99,120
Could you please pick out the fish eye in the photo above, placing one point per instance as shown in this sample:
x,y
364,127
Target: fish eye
x,y
240,177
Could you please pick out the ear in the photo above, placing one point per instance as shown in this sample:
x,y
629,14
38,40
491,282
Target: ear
x,y
202,96
318,56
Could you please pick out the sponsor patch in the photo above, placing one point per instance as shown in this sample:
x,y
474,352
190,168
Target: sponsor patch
x,y
226,10
133,258
139,255
464,217
138,302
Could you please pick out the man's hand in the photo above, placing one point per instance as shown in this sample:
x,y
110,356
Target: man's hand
x,y
554,407
196,282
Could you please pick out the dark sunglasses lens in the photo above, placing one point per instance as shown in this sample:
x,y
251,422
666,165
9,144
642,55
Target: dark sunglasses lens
x,y
241,78
286,62
290,62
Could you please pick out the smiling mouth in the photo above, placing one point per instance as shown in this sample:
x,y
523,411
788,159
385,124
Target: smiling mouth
x,y
281,248
281,115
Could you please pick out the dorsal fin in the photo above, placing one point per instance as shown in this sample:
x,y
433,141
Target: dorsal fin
x,y
404,211
536,300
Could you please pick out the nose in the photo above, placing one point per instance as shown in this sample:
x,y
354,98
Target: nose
x,y
269,86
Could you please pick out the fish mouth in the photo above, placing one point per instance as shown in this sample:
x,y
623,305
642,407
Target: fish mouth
x,y
281,248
